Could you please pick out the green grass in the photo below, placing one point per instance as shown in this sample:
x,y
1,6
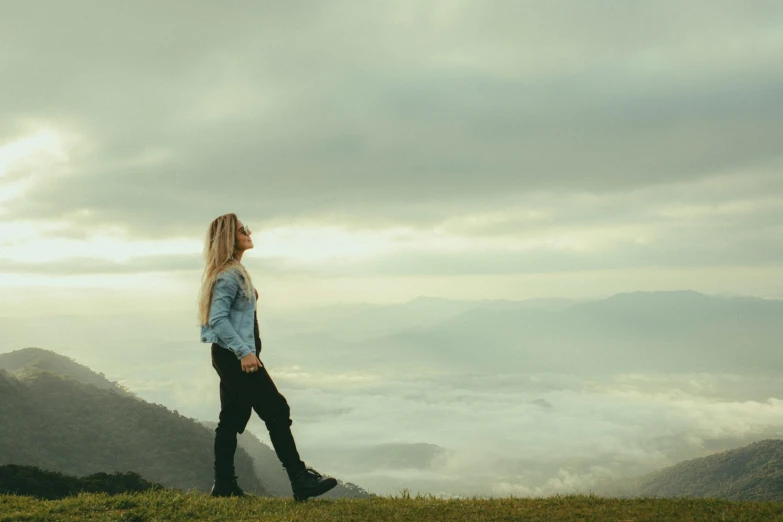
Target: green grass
x,y
174,505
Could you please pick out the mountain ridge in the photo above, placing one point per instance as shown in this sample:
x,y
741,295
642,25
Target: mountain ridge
x,y
751,472
25,359
58,423
95,409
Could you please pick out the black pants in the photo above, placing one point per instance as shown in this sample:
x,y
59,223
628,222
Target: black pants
x,y
241,392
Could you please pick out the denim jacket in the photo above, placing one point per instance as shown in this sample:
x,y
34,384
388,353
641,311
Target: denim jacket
x,y
232,316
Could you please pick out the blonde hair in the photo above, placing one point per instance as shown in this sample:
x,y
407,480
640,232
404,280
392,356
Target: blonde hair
x,y
219,246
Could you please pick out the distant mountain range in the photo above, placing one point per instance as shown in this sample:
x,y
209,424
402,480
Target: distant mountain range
x,y
60,416
678,331
667,331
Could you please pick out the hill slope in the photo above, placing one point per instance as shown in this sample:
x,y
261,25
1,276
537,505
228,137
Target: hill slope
x,y
753,472
27,359
59,424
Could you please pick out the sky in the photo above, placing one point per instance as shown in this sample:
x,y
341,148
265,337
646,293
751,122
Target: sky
x,y
383,151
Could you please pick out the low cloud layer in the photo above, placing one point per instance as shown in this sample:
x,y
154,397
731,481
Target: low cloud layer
x,y
495,413
506,442
538,435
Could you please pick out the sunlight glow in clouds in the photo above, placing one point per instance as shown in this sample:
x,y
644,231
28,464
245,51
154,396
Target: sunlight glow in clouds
x,y
40,250
39,243
44,141
34,154
311,244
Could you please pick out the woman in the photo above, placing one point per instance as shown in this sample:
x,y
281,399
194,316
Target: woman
x,y
228,318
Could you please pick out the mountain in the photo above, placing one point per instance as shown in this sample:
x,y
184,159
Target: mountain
x,y
273,476
91,425
357,321
678,331
752,472
31,359
58,423
672,331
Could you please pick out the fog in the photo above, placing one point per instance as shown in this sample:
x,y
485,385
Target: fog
x,y
466,418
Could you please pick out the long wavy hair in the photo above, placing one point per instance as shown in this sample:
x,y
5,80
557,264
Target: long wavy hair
x,y
219,248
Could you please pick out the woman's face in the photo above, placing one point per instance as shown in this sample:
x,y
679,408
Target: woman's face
x,y
244,241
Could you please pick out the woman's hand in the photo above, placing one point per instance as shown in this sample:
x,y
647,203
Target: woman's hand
x,y
250,363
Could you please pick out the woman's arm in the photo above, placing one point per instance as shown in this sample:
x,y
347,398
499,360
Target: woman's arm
x,y
226,289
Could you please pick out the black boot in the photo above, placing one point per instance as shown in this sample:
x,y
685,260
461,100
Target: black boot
x,y
309,483
226,486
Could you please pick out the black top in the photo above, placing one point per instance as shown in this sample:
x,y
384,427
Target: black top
x,y
257,332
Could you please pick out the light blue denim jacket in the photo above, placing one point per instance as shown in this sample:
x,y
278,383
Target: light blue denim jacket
x,y
231,315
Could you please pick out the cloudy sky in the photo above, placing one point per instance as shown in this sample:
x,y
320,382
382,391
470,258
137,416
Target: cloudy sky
x,y
382,151
386,150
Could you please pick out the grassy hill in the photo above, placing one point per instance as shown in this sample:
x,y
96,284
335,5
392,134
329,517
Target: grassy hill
x,y
178,506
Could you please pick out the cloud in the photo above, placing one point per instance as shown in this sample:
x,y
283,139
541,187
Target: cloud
x,y
501,443
407,114
725,220
709,237
93,266
500,432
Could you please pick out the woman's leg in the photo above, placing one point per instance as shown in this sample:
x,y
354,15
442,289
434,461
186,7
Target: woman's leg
x,y
255,390
234,413
273,409
270,405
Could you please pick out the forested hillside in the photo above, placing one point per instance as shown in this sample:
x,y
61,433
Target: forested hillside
x,y
753,472
33,481
29,359
60,424
59,415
